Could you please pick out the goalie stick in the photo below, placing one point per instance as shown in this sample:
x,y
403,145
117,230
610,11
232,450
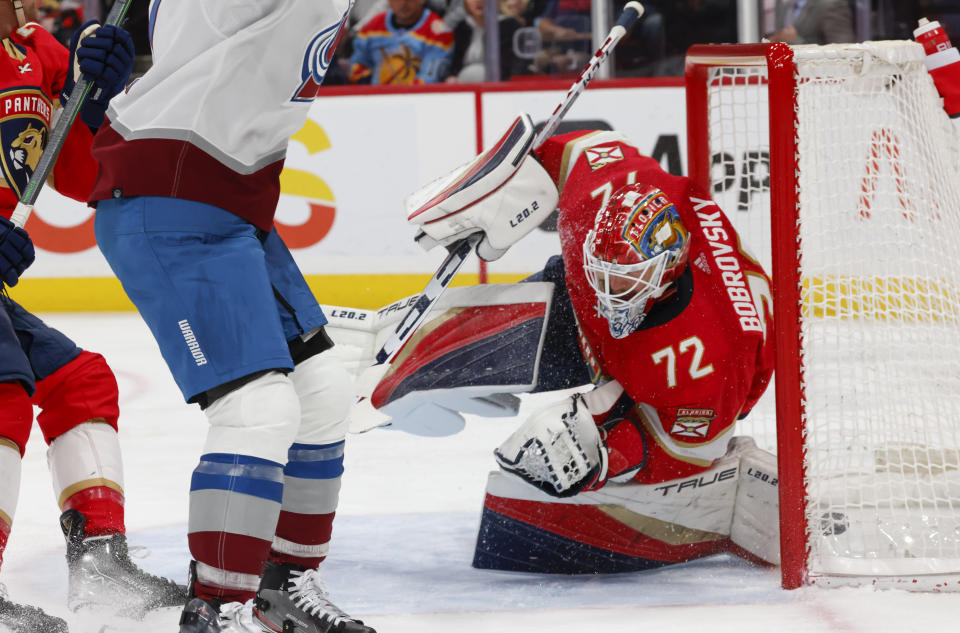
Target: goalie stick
x,y
458,251
58,135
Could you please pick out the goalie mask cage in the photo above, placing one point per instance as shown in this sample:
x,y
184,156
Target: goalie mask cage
x,y
839,168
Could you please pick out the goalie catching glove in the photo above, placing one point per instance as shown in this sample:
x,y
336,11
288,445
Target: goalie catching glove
x,y
502,194
558,449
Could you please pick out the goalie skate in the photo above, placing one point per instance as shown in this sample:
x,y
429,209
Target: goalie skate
x,y
294,600
26,619
101,574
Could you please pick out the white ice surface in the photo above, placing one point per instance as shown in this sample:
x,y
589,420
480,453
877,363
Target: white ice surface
x,y
404,536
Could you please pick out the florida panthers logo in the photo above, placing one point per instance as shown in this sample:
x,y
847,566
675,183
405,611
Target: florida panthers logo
x,y
317,60
25,150
24,125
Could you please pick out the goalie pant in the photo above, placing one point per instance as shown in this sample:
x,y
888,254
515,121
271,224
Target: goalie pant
x,y
74,389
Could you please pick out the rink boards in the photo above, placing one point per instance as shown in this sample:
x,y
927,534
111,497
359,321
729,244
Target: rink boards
x,y
361,152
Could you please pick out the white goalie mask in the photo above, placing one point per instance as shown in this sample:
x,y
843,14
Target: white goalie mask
x,y
635,251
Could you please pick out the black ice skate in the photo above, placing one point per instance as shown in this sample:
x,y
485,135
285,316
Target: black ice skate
x,y
294,600
24,619
101,574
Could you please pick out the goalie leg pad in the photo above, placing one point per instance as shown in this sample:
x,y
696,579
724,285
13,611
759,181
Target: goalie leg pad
x,y
480,343
561,360
756,513
558,449
631,526
619,528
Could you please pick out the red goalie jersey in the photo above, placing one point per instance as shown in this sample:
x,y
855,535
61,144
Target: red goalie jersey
x,y
703,354
33,67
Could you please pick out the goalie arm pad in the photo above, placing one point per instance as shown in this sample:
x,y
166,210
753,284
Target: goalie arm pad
x,y
504,194
558,449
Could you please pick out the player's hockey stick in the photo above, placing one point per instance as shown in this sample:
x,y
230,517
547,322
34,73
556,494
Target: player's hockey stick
x,y
458,251
58,135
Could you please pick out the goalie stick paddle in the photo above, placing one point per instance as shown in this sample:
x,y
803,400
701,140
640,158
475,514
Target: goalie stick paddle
x,y
435,287
58,135
458,251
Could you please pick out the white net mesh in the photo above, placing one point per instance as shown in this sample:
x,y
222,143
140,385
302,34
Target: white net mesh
x,y
739,134
879,222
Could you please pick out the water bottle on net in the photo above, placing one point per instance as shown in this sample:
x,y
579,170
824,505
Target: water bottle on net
x,y
943,63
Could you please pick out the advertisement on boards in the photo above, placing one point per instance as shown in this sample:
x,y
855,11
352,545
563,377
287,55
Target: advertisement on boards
x,y
352,165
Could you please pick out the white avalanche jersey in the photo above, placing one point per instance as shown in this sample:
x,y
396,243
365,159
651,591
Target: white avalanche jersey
x,y
231,82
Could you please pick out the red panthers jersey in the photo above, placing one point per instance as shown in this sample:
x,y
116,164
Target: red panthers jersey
x,y
33,66
704,354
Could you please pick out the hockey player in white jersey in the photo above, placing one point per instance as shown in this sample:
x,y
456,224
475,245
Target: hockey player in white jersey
x,y
190,161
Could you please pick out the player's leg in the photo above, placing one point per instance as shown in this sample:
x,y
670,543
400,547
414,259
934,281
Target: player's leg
x,y
16,418
77,395
205,294
291,589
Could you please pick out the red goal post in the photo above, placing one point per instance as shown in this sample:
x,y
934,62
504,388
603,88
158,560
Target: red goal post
x,y
839,169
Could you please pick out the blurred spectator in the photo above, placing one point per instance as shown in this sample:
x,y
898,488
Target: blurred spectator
x,y
60,17
407,44
814,22
566,23
364,10
564,27
468,42
515,9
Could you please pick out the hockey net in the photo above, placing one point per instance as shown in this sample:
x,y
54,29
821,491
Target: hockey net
x,y
860,178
